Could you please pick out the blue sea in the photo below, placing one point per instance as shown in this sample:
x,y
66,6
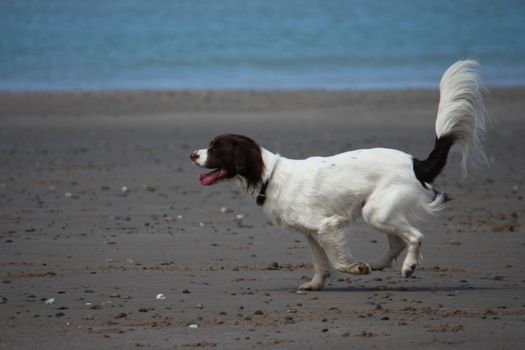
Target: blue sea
x,y
255,44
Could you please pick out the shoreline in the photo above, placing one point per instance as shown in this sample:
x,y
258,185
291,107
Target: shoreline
x,y
163,101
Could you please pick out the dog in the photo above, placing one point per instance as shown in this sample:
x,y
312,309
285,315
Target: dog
x,y
389,189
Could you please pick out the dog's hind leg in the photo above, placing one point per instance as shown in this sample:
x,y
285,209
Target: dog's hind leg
x,y
385,216
321,266
411,237
396,246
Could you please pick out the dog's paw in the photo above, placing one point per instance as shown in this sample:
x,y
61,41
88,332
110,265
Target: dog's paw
x,y
311,286
408,271
360,268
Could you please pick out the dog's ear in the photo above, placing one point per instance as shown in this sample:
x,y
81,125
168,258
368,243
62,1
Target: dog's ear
x,y
241,163
249,163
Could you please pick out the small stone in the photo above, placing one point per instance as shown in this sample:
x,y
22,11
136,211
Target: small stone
x,y
226,210
60,314
122,315
160,296
186,291
273,266
193,326
89,317
150,188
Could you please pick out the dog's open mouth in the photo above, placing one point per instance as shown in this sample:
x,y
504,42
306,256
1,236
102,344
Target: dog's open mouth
x,y
213,176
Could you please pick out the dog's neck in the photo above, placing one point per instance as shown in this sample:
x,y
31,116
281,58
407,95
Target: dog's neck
x,y
271,162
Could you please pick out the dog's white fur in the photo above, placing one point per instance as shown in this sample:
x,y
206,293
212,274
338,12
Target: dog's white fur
x,y
320,196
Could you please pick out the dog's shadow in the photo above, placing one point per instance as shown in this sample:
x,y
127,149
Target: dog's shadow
x,y
391,289
418,289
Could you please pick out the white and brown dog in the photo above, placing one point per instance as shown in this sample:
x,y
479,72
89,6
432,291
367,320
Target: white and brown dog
x,y
389,189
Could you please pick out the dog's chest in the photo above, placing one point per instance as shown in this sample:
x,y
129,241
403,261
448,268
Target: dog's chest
x,y
294,216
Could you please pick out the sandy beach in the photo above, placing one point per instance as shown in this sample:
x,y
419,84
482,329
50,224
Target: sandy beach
x,y
108,241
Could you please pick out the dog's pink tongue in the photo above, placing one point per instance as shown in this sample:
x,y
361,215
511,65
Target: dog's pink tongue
x,y
211,177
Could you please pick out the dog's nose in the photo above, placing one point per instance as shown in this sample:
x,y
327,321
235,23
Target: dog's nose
x,y
194,156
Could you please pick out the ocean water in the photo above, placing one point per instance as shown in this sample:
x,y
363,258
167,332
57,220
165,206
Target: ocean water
x,y
255,44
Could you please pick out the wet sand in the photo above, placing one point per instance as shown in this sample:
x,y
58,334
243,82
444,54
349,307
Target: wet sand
x,y
101,211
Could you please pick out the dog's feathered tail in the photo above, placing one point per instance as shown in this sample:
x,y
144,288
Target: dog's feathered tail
x,y
461,120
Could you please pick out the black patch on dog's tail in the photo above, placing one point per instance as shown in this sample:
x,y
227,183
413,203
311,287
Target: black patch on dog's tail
x,y
427,170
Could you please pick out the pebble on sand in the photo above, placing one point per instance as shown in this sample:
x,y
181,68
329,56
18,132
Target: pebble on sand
x,y
226,210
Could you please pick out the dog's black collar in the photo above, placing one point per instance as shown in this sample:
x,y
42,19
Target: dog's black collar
x,y
261,197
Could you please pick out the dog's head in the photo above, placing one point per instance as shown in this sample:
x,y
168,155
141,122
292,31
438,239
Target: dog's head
x,y
230,156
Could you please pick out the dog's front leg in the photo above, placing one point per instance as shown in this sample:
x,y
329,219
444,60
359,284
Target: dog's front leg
x,y
321,266
335,245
